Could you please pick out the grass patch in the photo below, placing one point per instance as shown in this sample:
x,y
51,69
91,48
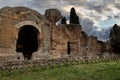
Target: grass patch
x,y
98,71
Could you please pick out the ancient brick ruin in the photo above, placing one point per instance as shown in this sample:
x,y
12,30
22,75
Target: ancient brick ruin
x,y
25,33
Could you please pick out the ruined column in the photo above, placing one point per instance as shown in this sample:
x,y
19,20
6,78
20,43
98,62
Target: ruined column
x,y
46,40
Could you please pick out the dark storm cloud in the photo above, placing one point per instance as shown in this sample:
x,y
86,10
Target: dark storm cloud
x,y
117,5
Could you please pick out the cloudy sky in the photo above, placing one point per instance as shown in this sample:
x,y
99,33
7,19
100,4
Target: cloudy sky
x,y
97,14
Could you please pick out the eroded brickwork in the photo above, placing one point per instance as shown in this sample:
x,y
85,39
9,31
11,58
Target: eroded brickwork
x,y
54,41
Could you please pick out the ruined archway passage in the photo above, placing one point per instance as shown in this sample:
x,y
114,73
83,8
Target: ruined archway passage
x,y
27,41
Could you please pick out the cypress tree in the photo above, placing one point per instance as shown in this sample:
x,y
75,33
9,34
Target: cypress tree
x,y
63,20
74,19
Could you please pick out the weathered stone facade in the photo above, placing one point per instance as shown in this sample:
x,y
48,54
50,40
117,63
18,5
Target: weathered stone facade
x,y
53,41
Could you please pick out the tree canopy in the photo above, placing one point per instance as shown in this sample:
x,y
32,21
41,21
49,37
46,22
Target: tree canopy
x,y
115,37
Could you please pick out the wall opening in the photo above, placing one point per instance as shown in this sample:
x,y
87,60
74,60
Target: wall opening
x,y
27,41
72,48
68,48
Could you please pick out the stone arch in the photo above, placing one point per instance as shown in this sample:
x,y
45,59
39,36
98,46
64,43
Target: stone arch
x,y
27,23
28,40
19,25
30,23
45,35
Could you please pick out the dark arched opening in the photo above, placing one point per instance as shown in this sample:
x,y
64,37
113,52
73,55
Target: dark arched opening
x,y
27,41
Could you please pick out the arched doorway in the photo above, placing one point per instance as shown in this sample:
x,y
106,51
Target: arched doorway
x,y
27,41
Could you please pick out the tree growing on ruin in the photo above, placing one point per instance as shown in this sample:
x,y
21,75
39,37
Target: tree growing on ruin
x,y
74,19
63,20
115,38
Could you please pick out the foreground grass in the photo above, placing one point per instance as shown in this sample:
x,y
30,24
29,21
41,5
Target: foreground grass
x,y
99,71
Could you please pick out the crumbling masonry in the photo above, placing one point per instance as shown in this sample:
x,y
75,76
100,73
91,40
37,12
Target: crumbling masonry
x,y
26,34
